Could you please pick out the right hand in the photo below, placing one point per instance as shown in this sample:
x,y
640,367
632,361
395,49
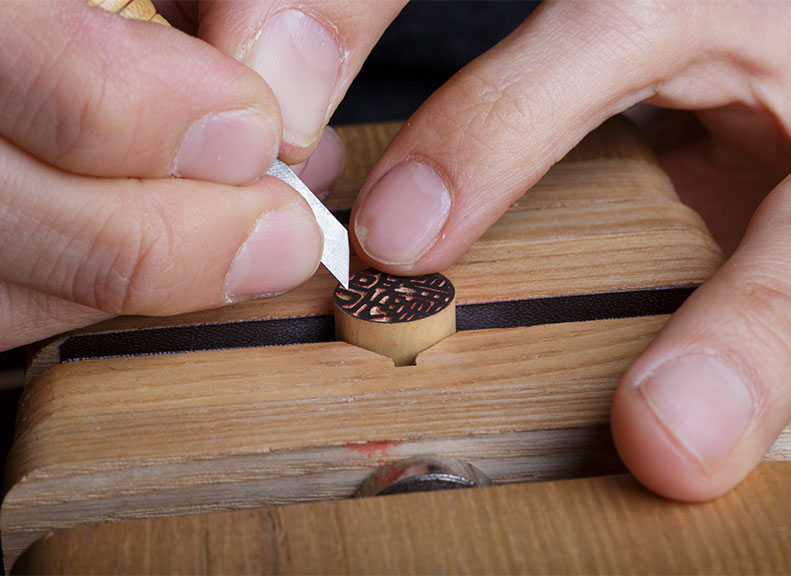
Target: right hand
x,y
96,112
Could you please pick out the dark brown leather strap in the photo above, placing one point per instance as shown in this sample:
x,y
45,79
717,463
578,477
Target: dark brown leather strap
x,y
282,332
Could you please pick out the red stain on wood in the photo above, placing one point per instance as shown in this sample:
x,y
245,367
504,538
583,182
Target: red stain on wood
x,y
373,449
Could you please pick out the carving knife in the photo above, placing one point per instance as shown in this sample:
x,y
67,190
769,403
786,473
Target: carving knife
x,y
335,254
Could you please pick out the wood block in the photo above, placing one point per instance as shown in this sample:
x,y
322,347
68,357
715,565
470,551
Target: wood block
x,y
165,435
159,20
605,525
553,302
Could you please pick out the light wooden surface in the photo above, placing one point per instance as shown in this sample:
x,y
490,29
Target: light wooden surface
x,y
605,218
164,435
603,525
176,434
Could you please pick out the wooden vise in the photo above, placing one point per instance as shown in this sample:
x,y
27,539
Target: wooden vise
x,y
256,405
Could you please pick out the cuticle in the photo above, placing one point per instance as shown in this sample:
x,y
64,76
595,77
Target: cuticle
x,y
241,298
173,171
705,352
677,442
366,191
340,41
229,298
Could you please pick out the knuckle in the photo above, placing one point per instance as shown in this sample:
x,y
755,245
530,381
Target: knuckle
x,y
74,107
134,251
763,303
84,121
487,113
631,28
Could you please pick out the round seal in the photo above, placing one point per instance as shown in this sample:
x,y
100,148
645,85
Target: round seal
x,y
379,297
395,316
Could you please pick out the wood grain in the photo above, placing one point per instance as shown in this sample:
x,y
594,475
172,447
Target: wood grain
x,y
145,436
164,435
605,525
595,222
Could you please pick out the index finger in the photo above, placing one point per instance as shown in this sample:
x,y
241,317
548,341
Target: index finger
x,y
93,93
497,126
308,52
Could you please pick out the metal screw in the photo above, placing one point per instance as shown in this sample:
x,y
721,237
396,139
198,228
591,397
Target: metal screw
x,y
422,474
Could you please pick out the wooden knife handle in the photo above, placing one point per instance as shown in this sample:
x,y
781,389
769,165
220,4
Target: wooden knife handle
x,y
134,9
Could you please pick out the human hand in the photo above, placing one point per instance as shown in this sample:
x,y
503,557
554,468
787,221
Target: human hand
x,y
705,400
97,111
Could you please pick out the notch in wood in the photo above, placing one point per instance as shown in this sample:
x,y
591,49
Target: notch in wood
x,y
395,316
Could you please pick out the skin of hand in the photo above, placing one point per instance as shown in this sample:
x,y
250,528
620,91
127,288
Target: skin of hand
x,y
90,226
706,399
133,155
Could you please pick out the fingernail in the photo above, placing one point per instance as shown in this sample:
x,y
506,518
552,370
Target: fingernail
x,y
403,215
325,165
233,147
703,403
282,252
300,60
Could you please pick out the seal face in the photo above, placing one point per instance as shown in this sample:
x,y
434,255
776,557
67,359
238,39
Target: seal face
x,y
378,297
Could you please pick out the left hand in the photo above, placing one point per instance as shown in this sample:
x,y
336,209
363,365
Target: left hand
x,y
97,112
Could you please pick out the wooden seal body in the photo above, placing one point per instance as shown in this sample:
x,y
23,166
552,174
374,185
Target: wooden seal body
x,y
395,316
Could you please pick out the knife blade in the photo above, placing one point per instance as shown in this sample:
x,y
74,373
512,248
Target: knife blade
x,y
335,254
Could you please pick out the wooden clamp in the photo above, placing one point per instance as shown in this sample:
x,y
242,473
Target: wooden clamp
x,y
237,420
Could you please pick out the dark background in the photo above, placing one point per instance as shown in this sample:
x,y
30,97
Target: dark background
x,y
425,45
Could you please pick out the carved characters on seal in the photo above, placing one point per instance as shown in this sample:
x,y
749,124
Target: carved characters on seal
x,y
379,297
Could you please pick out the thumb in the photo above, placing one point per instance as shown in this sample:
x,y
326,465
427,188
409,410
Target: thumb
x,y
700,407
93,93
154,247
